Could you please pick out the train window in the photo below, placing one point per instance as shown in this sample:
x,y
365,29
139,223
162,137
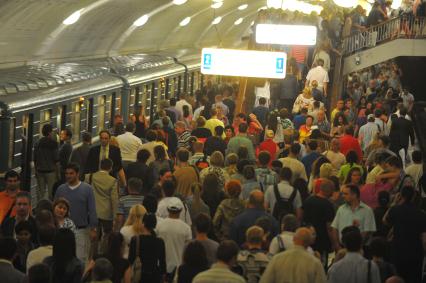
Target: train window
x,y
138,96
161,90
89,112
101,112
11,142
167,88
45,117
118,102
147,99
191,82
132,98
179,86
173,88
151,94
75,121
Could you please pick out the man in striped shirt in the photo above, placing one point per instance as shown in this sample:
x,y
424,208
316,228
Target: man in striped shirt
x,y
183,135
134,189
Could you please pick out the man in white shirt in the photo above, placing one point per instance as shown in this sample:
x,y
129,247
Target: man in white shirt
x,y
285,191
181,103
129,145
320,75
175,234
169,189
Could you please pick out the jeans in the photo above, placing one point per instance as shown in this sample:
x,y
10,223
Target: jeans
x,y
100,245
82,239
45,182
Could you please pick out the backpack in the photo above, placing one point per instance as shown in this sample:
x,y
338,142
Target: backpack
x,y
283,206
252,264
281,246
202,163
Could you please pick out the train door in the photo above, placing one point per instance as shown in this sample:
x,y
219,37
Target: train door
x,y
61,118
27,135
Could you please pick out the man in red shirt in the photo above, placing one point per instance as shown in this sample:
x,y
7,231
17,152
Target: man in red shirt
x,y
8,196
348,142
269,145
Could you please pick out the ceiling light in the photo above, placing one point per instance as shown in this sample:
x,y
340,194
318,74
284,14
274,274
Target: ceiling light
x,y
252,23
217,5
262,8
217,20
185,21
346,3
274,4
239,21
73,18
179,2
243,7
217,1
141,21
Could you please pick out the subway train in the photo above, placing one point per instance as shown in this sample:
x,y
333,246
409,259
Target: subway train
x,y
83,96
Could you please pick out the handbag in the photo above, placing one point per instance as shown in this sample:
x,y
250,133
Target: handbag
x,y
137,264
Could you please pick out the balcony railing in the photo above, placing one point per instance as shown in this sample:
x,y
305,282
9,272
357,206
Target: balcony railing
x,y
401,27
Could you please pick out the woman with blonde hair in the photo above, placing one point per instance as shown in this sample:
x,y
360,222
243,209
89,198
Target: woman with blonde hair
x,y
304,100
133,226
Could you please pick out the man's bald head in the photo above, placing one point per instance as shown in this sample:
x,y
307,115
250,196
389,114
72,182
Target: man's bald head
x,y
303,237
394,279
256,199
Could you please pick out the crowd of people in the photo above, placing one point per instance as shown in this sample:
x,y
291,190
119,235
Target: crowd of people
x,y
204,194
292,191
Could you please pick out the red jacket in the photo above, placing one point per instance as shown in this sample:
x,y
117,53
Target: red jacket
x,y
348,143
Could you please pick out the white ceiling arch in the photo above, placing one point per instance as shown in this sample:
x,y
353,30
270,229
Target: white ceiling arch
x,y
32,30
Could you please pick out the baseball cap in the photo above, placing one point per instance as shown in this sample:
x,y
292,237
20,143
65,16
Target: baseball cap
x,y
370,116
175,205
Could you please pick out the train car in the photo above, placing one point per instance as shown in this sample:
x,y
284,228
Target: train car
x,y
82,96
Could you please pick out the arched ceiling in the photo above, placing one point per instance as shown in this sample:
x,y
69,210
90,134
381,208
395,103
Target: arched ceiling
x,y
33,30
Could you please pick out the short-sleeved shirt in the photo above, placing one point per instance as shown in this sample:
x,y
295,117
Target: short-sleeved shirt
x,y
126,202
285,190
345,217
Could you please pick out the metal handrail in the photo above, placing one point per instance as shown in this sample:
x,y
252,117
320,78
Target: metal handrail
x,y
400,27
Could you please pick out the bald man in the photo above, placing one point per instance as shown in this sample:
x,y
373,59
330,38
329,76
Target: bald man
x,y
255,210
395,279
300,265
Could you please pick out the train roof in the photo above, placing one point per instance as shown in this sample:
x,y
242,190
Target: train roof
x,y
32,85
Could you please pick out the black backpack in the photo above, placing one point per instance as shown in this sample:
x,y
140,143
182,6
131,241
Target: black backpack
x,y
283,206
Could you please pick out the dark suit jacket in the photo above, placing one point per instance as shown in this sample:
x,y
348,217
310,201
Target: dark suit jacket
x,y
141,171
8,227
400,131
11,275
92,164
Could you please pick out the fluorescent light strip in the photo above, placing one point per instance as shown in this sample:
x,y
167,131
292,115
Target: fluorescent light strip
x,y
244,63
286,34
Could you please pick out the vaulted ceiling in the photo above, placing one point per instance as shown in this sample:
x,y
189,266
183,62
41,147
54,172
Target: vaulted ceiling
x,y
33,30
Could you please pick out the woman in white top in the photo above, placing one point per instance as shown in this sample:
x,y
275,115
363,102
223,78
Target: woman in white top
x,y
133,226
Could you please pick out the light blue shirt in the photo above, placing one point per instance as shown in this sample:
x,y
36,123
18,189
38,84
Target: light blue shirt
x,y
367,134
353,268
345,217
